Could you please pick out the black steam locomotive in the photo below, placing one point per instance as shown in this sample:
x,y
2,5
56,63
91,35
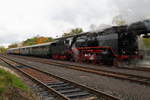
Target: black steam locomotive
x,y
117,43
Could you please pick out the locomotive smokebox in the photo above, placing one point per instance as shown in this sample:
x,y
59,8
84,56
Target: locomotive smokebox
x,y
139,28
147,25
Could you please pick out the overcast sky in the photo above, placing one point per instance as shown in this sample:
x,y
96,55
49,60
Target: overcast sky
x,y
21,19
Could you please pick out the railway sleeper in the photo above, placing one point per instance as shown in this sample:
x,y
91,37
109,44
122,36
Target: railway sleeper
x,y
70,91
64,88
56,83
61,85
78,95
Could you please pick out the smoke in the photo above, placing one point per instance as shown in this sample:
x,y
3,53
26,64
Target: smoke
x,y
98,28
129,11
133,10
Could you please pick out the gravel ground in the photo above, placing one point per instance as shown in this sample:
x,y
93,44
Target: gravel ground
x,y
122,89
133,72
145,63
109,68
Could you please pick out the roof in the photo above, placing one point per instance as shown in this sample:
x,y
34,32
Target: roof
x,y
43,44
72,35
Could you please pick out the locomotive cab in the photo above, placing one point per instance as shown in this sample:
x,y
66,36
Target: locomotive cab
x,y
60,49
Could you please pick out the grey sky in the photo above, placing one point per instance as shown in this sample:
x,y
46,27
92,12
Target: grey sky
x,y
21,19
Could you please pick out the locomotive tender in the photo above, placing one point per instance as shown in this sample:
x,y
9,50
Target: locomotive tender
x,y
107,46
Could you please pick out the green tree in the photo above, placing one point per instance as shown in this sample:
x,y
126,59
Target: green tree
x,y
73,32
2,49
30,41
14,45
146,42
119,20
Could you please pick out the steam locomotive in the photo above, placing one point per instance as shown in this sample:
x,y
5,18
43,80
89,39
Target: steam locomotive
x,y
117,43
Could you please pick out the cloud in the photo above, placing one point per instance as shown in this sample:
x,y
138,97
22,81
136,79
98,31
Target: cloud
x,y
21,19
133,10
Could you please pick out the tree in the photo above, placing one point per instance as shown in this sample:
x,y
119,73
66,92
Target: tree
x,y
2,49
73,32
30,41
37,40
146,42
43,40
14,45
119,20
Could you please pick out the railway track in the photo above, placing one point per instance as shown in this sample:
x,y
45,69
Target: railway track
x,y
125,68
62,88
137,69
133,78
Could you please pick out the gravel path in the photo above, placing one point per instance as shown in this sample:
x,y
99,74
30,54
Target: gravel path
x,y
123,89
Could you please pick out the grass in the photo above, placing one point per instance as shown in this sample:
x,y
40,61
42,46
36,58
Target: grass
x,y
9,83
